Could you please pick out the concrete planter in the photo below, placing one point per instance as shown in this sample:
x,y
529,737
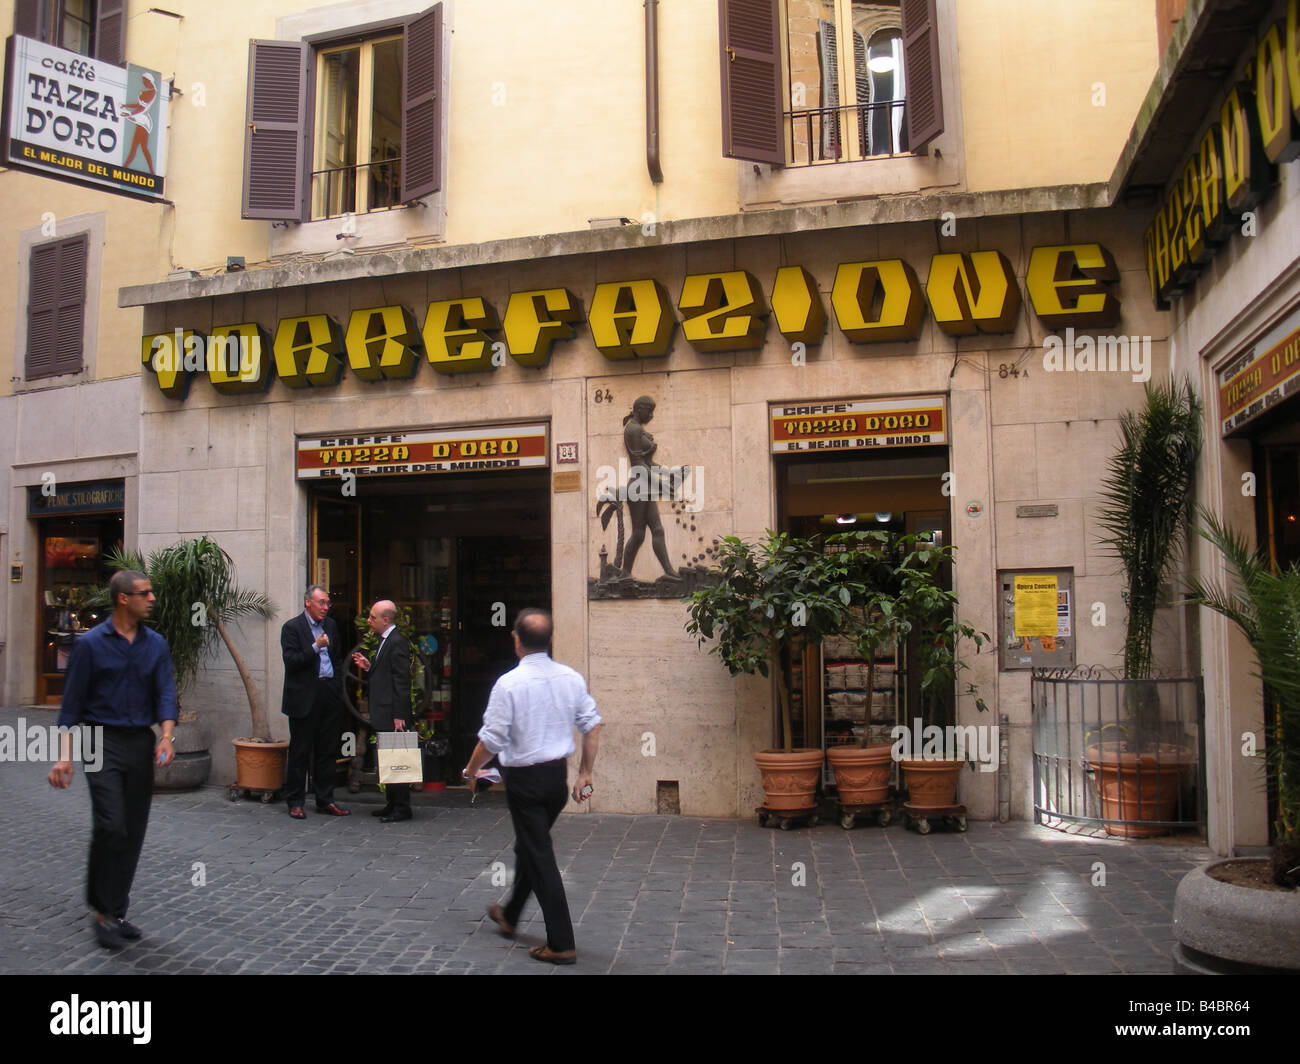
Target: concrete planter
x,y
1226,929
191,766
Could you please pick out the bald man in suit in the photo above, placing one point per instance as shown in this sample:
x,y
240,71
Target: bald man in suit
x,y
389,696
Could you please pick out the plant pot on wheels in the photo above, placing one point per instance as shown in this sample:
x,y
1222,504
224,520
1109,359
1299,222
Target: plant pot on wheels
x,y
862,776
259,767
789,784
932,791
1136,787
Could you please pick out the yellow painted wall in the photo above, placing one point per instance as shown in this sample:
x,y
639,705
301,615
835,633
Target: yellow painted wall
x,y
1029,73
547,118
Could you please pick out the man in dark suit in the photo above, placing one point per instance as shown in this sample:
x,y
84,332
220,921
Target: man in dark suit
x,y
313,702
389,696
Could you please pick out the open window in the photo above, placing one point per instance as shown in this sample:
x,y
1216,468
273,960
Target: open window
x,y
851,79
346,126
95,28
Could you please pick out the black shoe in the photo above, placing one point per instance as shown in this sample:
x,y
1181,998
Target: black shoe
x,y
385,811
128,930
395,816
107,933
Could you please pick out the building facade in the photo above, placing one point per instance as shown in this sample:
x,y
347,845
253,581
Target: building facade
x,y
422,263
1213,155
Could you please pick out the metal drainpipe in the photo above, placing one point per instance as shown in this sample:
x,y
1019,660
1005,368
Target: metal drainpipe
x,y
652,91
1004,769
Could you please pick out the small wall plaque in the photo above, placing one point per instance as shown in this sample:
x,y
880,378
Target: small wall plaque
x,y
569,480
1042,509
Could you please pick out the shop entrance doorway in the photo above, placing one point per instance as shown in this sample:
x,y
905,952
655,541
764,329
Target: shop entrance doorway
x,y
463,554
900,491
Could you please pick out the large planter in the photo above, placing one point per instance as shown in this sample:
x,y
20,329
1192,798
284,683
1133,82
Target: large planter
x,y
1137,787
191,766
931,783
260,766
789,780
862,773
1224,929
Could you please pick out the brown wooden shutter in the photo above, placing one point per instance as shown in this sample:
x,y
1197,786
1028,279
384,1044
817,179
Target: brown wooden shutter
x,y
421,105
56,307
921,68
275,177
110,32
27,20
749,35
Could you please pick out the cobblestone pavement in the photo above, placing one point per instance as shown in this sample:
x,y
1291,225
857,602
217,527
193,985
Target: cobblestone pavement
x,y
241,888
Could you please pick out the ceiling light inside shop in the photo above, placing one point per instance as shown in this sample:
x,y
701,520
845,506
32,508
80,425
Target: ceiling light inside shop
x,y
881,64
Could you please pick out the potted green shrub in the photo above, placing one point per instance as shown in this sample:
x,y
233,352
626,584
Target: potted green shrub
x,y
198,599
761,597
1147,498
1246,911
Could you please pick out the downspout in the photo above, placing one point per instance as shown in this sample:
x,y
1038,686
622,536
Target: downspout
x,y
652,91
1004,768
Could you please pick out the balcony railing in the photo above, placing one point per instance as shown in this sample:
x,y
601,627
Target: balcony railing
x,y
816,135
334,191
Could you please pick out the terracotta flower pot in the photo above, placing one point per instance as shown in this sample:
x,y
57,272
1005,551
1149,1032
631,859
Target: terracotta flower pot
x,y
1137,787
862,773
789,780
931,784
260,766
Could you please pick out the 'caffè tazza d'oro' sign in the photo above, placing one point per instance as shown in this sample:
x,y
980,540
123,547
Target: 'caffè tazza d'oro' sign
x,y
1255,381
391,453
873,302
79,118
858,424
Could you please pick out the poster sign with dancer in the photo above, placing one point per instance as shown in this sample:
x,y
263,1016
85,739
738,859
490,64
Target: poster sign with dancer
x,y
85,120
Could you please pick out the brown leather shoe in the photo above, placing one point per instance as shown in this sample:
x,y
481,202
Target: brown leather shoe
x,y
545,953
497,915
332,810
297,812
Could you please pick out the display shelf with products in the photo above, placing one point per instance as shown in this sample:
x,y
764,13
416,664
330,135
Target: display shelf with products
x,y
845,696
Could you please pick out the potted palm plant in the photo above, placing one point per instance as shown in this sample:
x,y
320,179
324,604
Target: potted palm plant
x,y
762,597
1147,505
1246,911
198,599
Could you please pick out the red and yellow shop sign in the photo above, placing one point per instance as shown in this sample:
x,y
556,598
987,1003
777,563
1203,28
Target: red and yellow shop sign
x,y
876,301
467,450
1250,386
857,424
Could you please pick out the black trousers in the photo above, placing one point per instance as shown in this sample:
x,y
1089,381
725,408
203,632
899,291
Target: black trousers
x,y
314,742
398,796
120,793
535,795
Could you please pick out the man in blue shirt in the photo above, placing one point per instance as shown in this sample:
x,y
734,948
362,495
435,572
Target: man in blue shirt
x,y
120,680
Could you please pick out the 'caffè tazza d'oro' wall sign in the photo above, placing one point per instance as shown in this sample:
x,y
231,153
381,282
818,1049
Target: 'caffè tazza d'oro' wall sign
x,y
873,302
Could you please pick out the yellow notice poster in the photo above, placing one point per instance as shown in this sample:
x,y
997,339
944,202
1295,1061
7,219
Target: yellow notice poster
x,y
1035,604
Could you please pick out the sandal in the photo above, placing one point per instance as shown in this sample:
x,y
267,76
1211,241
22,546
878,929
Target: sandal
x,y
545,953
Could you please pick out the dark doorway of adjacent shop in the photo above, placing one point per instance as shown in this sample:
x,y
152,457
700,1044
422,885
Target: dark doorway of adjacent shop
x,y
899,491
462,554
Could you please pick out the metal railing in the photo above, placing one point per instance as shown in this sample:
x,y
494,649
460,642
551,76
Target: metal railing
x,y
334,191
1127,754
817,135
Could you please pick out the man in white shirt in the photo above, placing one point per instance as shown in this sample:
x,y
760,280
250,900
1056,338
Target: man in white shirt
x,y
528,725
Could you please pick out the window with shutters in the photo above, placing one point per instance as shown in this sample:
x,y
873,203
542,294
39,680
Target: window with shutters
x,y
851,79
90,27
56,307
345,125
